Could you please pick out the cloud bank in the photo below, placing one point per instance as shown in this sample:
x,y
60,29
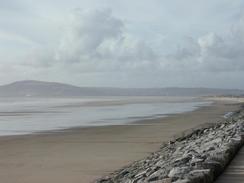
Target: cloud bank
x,y
96,47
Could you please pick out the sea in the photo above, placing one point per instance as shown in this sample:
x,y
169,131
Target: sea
x,y
20,116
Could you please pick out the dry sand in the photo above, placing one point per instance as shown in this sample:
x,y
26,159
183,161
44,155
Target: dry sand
x,y
82,155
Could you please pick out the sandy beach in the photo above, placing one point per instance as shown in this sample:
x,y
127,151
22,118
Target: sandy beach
x,y
82,155
105,91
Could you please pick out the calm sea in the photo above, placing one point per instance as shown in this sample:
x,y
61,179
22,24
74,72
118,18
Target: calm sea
x,y
32,115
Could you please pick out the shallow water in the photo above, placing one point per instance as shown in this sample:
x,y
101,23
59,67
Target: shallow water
x,y
31,115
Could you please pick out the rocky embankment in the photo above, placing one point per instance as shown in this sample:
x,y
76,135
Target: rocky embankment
x,y
197,157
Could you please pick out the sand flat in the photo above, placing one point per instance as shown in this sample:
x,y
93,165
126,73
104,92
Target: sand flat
x,y
82,155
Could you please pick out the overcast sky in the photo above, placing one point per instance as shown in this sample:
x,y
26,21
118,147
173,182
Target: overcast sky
x,y
123,43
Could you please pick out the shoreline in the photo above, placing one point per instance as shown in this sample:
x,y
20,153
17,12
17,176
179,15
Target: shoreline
x,y
118,116
85,154
139,121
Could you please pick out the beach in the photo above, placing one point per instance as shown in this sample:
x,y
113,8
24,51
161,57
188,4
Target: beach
x,y
85,154
105,91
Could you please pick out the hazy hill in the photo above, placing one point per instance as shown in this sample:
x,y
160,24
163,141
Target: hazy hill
x,y
32,88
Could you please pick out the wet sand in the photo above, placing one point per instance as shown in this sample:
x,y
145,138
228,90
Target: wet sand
x,y
82,155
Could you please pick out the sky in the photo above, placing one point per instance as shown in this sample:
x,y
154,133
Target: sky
x,y
123,43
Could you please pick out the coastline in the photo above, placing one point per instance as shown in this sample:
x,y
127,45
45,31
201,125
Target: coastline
x,y
85,154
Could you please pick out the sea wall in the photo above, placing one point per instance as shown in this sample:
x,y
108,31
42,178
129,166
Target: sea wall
x,y
195,157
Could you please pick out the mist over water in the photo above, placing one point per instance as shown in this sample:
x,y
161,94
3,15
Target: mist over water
x,y
30,115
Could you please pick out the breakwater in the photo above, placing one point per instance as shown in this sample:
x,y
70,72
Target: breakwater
x,y
198,156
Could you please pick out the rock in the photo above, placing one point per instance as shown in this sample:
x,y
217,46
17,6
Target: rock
x,y
156,175
178,172
182,181
203,176
183,160
196,161
141,174
166,180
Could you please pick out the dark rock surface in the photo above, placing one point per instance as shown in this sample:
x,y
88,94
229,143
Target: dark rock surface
x,y
197,157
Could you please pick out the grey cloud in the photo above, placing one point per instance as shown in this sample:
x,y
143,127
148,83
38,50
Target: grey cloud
x,y
223,53
97,40
157,43
86,32
213,52
11,6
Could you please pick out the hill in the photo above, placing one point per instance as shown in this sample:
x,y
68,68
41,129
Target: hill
x,y
31,88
